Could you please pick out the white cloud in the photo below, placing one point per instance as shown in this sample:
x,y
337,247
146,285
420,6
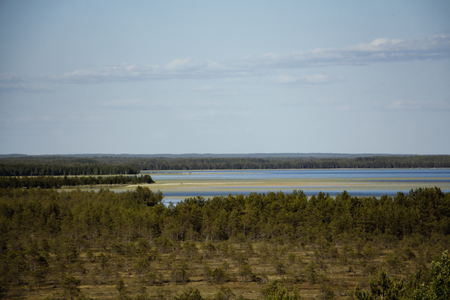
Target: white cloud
x,y
28,119
14,82
151,105
10,78
244,80
211,90
179,68
205,88
24,88
131,103
213,114
159,105
332,103
379,50
306,79
418,105
405,105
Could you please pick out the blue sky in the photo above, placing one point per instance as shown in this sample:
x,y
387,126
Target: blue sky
x,y
147,77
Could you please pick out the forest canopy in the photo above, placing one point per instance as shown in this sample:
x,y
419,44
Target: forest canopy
x,y
48,182
104,165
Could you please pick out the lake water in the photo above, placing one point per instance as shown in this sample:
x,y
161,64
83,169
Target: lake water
x,y
178,185
303,173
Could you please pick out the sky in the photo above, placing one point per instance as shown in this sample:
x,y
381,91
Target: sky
x,y
152,77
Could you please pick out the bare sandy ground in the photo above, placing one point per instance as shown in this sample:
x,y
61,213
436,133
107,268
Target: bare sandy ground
x,y
212,187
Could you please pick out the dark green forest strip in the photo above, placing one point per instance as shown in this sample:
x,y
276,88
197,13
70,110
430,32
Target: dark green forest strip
x,y
48,182
60,166
431,161
56,165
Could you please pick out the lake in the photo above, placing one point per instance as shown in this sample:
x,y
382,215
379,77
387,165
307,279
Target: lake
x,y
178,185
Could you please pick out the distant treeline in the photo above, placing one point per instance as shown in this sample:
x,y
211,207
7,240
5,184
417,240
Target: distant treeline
x,y
39,166
293,163
48,182
57,166
431,161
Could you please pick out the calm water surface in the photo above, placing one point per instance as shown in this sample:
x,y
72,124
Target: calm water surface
x,y
304,173
380,177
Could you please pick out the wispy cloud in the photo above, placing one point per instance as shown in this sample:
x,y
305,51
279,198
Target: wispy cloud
x,y
334,103
130,103
32,121
139,104
179,68
211,90
205,88
14,82
10,78
28,119
307,79
243,80
405,105
157,105
379,50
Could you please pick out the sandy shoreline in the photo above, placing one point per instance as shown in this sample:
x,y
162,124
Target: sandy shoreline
x,y
214,186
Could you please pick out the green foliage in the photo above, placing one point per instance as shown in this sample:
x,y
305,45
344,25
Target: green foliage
x,y
245,271
48,235
280,267
190,250
219,275
153,278
439,286
141,266
48,182
327,293
179,273
208,249
394,263
54,166
425,161
121,288
190,294
146,196
381,287
311,273
70,285
84,213
224,294
163,294
433,287
58,165
274,291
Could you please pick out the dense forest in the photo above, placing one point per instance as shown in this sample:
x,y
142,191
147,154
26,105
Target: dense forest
x,y
56,165
106,245
48,182
439,161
